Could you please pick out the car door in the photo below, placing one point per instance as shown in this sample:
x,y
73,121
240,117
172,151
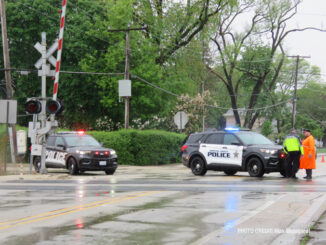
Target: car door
x,y
233,147
55,153
212,148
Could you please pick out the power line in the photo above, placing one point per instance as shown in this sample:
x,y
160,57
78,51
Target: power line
x,y
152,85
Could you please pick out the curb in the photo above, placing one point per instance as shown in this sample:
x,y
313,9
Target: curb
x,y
304,222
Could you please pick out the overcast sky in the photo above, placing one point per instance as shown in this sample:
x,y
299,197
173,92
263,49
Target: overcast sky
x,y
310,43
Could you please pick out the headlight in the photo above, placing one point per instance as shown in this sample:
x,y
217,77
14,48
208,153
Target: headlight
x,y
83,152
268,151
113,152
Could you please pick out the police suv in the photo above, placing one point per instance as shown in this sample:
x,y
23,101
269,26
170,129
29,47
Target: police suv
x,y
232,150
77,152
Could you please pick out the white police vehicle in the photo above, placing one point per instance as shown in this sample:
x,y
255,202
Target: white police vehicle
x,y
77,152
232,150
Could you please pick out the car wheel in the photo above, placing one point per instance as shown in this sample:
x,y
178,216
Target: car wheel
x,y
255,167
37,164
230,172
198,166
72,166
109,172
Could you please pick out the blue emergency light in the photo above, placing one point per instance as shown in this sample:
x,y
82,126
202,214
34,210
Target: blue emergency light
x,y
232,129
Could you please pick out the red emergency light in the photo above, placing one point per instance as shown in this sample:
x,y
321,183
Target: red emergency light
x,y
81,132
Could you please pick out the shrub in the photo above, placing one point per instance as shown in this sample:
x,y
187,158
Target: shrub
x,y
142,147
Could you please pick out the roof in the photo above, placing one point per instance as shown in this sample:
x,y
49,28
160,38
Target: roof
x,y
230,112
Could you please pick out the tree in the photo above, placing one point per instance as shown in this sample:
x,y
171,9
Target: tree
x,y
173,24
255,55
311,107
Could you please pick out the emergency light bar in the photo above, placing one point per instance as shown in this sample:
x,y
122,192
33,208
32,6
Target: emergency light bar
x,y
233,129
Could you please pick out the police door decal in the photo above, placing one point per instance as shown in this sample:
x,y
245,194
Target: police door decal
x,y
223,154
55,157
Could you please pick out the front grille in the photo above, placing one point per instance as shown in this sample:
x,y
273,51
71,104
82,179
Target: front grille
x,y
100,155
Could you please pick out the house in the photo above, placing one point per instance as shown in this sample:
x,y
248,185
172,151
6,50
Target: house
x,y
230,120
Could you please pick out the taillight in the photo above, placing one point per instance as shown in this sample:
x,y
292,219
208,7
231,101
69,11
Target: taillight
x,y
106,153
183,148
282,155
97,153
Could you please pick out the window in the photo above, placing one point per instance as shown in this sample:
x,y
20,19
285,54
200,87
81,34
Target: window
x,y
214,139
59,141
229,139
76,140
252,138
194,138
50,141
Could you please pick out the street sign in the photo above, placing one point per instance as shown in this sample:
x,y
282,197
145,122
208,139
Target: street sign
x,y
8,111
181,119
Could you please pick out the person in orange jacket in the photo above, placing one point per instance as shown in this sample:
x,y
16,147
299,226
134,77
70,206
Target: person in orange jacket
x,y
308,161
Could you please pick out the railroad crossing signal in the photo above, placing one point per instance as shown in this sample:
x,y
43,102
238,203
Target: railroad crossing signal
x,y
33,106
53,107
48,56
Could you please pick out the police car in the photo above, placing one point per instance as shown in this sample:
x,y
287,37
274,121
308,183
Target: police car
x,y
232,150
77,152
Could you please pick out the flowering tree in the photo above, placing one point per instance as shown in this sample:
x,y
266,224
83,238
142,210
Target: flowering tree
x,y
196,109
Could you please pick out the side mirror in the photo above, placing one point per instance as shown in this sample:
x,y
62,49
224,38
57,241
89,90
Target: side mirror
x,y
61,146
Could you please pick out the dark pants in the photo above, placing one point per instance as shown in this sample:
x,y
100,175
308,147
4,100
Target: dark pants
x,y
309,172
292,163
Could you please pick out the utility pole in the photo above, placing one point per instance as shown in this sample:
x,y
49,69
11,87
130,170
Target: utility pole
x,y
202,95
127,66
9,92
294,107
42,115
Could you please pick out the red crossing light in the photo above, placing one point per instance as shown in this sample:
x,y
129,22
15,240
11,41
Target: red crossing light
x,y
33,106
53,106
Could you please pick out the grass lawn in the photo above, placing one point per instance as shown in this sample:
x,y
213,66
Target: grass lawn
x,y
321,150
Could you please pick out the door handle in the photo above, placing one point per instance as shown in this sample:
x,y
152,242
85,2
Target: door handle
x,y
224,147
203,145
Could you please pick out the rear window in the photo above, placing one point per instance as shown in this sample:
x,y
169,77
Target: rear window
x,y
194,138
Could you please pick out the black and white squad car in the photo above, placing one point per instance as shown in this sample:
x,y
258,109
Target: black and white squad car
x,y
232,150
77,152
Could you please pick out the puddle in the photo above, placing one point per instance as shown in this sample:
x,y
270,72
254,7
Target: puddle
x,y
254,195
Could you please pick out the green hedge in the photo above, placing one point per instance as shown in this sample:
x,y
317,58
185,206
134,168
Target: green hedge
x,y
142,147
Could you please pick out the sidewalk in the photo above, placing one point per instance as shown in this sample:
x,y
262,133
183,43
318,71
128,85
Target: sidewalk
x,y
317,234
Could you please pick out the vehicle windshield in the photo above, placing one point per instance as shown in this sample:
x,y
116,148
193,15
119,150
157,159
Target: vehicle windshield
x,y
252,138
76,140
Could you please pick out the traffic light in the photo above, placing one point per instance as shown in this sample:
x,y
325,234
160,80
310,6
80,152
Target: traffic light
x,y
33,106
53,106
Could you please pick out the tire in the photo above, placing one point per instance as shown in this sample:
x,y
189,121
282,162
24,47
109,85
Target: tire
x,y
37,164
109,172
72,166
255,167
230,172
197,166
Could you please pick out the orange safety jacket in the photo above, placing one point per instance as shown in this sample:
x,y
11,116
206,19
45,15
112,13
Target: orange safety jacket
x,y
308,160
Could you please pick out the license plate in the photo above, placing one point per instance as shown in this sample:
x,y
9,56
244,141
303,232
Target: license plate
x,y
102,163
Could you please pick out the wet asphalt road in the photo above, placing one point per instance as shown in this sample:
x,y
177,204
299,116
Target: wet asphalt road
x,y
154,205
